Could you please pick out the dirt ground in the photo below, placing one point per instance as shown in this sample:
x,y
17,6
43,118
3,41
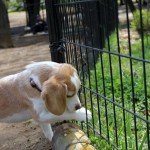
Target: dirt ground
x,y
26,135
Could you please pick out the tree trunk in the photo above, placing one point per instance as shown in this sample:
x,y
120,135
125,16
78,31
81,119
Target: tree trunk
x,y
131,6
121,2
70,137
32,10
5,35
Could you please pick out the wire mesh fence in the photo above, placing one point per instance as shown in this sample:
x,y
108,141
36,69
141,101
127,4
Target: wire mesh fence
x,y
110,47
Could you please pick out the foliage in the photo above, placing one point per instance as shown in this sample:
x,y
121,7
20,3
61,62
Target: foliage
x,y
16,5
136,23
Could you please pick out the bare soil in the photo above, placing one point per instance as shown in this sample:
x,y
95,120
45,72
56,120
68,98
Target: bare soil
x,y
28,48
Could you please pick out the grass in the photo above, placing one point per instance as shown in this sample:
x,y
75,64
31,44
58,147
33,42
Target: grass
x,y
112,117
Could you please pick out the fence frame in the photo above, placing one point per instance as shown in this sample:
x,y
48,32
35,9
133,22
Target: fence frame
x,y
60,54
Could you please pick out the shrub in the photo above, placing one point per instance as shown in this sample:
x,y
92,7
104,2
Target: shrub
x,y
136,23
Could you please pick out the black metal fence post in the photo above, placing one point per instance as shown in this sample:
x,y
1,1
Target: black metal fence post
x,y
55,34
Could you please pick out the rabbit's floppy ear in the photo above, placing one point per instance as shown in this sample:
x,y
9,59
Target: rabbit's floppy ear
x,y
54,95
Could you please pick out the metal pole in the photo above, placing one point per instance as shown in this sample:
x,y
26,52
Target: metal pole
x,y
55,33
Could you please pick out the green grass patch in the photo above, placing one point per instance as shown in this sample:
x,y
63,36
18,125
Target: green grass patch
x,y
109,120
